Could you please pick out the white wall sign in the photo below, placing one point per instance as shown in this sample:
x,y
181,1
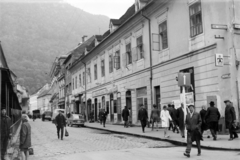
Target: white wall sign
x,y
219,61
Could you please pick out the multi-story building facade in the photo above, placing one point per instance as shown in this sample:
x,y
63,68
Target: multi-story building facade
x,y
139,58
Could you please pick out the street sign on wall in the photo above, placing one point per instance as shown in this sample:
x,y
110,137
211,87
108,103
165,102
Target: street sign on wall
x,y
219,61
184,79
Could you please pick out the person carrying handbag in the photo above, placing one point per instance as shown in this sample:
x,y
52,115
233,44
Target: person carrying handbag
x,y
60,124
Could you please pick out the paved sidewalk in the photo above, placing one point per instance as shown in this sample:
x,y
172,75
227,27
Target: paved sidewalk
x,y
222,142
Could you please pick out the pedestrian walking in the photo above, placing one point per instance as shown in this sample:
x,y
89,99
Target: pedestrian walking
x,y
166,120
125,116
180,120
104,117
60,124
143,117
25,138
212,117
174,119
155,116
170,110
193,125
5,131
204,126
230,119
100,115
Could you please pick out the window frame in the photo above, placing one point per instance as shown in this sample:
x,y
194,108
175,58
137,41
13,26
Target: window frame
x,y
89,75
80,80
163,32
129,54
103,67
110,63
194,16
117,60
139,45
95,72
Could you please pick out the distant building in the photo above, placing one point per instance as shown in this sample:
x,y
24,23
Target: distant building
x,y
23,97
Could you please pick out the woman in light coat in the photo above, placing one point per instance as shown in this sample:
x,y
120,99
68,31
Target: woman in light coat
x,y
165,117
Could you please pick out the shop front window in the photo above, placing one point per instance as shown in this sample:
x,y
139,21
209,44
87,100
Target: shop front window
x,y
141,97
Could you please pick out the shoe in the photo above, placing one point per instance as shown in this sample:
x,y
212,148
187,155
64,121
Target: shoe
x,y
186,154
183,136
61,138
199,154
235,137
230,139
208,136
215,138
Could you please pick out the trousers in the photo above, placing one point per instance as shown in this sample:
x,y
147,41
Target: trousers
x,y
4,143
143,124
125,123
189,143
58,130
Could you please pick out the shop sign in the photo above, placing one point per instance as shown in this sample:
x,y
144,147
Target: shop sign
x,y
112,90
100,92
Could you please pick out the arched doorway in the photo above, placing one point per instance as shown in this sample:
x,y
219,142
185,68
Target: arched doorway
x,y
111,108
95,110
129,104
103,103
89,104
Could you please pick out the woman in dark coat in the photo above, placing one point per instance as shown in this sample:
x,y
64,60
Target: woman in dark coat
x,y
25,137
180,119
125,115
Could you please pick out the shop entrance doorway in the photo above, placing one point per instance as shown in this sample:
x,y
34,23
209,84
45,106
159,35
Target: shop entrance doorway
x,y
129,104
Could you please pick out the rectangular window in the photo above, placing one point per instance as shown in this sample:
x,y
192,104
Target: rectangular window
x,y
129,53
75,82
80,80
110,63
117,60
89,75
195,12
157,97
163,35
142,97
95,71
103,67
139,48
83,78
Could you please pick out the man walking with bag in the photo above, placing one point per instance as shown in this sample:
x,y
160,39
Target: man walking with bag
x,y
230,119
60,124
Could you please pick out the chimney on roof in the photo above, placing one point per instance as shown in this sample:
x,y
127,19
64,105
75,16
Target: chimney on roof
x,y
83,38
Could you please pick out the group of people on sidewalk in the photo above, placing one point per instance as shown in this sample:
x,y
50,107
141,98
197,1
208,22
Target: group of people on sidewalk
x,y
6,135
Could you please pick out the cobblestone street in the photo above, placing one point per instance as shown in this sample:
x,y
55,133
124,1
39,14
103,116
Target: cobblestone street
x,y
94,144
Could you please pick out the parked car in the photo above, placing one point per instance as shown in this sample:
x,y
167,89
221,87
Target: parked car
x,y
47,115
56,112
76,119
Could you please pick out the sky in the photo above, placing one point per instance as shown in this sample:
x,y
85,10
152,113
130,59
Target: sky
x,y
110,8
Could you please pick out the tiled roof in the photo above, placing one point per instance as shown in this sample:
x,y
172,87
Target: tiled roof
x,y
81,48
99,38
106,34
116,22
129,13
44,93
90,46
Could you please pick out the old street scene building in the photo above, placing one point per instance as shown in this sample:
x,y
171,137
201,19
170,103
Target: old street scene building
x,y
139,57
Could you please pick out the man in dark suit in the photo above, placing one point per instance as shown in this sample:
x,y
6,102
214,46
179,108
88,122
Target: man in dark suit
x,y
230,119
193,125
125,115
212,117
204,126
60,123
143,117
104,116
180,119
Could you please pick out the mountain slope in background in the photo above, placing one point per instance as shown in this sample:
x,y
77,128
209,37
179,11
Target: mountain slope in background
x,y
33,34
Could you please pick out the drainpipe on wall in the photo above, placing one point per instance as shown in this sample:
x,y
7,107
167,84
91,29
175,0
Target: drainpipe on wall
x,y
150,52
85,77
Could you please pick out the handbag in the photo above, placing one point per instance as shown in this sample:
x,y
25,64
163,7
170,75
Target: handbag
x,y
30,150
235,126
66,133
